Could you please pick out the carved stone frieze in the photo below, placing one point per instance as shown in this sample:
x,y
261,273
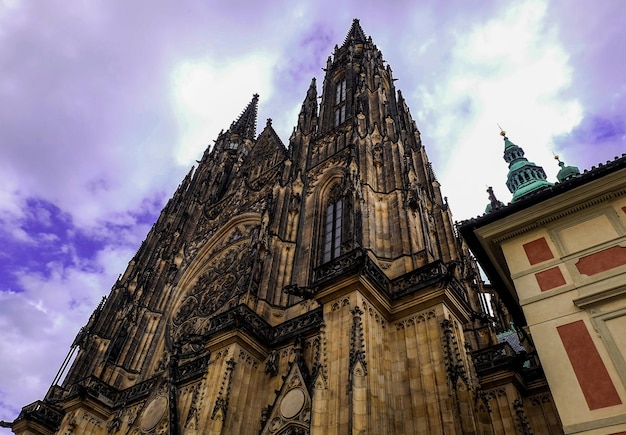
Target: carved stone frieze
x,y
345,302
375,314
193,369
248,359
418,318
92,419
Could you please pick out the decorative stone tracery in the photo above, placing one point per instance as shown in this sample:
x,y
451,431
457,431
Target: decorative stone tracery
x,y
233,269
291,411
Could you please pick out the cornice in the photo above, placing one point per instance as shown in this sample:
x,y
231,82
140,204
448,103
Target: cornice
x,y
553,208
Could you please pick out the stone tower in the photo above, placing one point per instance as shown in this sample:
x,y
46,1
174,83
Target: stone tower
x,y
316,288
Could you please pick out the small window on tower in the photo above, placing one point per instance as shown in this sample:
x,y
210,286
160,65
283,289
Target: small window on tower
x,y
233,145
340,95
340,102
340,115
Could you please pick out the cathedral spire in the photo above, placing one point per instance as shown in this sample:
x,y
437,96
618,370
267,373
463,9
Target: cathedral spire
x,y
245,125
356,70
524,177
355,34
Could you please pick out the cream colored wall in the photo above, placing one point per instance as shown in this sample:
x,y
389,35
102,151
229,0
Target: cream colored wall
x,y
598,300
570,401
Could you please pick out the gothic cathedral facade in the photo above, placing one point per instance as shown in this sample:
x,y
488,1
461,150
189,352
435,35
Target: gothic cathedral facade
x,y
318,288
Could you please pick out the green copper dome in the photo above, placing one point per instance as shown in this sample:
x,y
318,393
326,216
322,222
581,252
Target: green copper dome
x,y
566,172
524,177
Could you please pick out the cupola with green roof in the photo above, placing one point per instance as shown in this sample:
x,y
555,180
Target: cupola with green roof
x,y
524,177
566,172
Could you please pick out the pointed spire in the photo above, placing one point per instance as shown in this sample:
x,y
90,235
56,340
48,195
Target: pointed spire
x,y
311,93
182,187
524,177
307,119
355,34
245,125
310,101
400,98
494,204
566,172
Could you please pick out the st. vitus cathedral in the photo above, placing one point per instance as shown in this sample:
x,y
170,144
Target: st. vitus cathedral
x,y
316,288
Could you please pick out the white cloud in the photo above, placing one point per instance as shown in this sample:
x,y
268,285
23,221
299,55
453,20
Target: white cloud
x,y
209,95
511,70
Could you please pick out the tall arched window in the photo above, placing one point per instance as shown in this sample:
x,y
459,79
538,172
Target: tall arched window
x,y
333,225
332,230
340,102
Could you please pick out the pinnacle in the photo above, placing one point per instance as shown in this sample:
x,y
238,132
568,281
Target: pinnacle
x,y
269,130
312,91
355,33
494,203
245,125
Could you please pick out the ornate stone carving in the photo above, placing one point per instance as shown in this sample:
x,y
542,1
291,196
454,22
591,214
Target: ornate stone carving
x,y
378,318
113,425
191,422
522,419
45,413
357,347
340,304
291,409
271,364
454,362
229,275
411,321
221,403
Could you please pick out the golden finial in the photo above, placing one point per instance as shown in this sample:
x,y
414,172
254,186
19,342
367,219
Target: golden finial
x,y
502,132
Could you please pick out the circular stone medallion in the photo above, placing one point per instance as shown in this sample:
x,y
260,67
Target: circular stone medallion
x,y
292,403
153,413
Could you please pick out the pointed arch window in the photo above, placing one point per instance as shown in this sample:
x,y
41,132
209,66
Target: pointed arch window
x,y
332,230
340,102
333,225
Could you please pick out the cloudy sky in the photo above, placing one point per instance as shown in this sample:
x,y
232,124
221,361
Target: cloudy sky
x,y
105,105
